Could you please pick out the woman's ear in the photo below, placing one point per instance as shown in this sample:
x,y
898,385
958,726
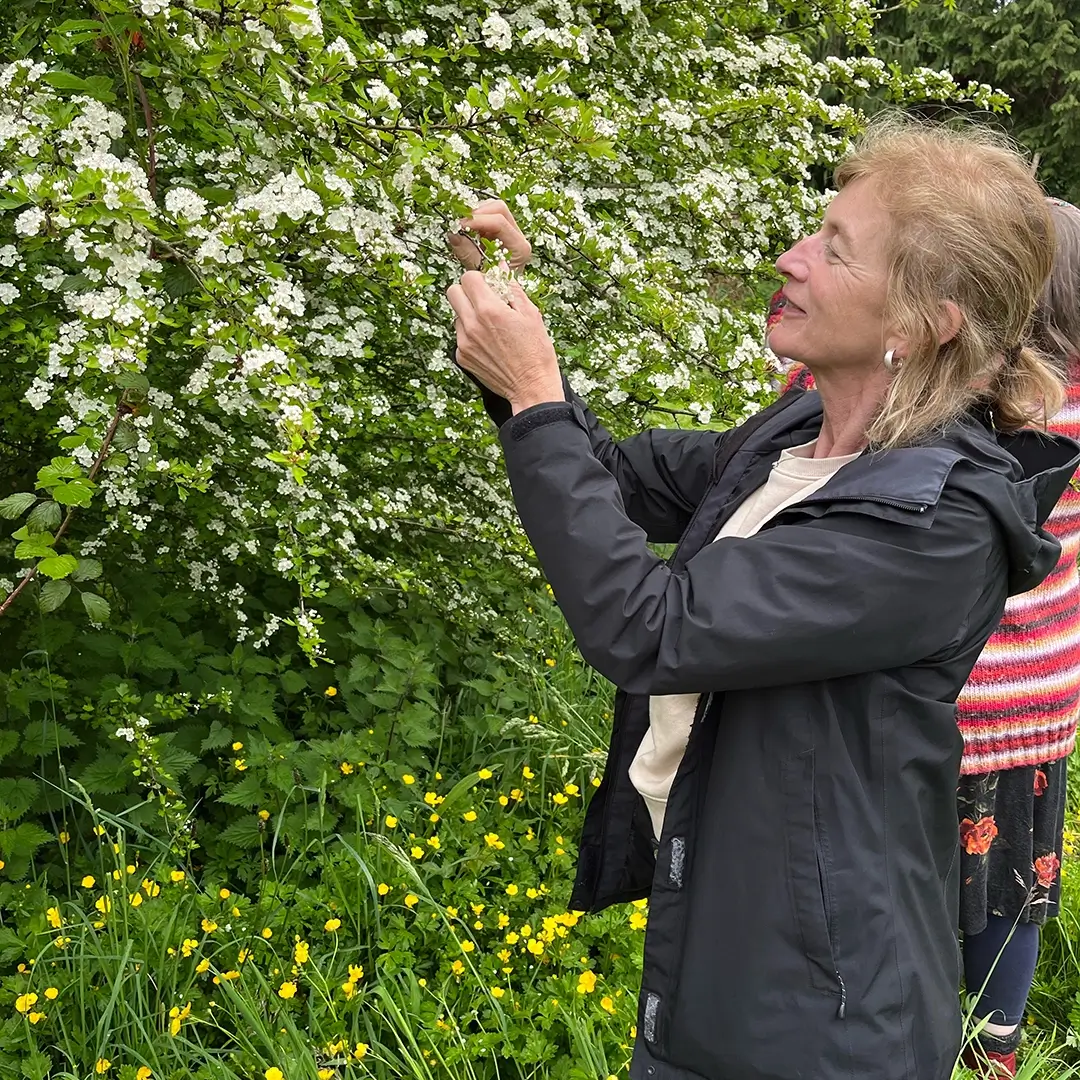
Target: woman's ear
x,y
949,322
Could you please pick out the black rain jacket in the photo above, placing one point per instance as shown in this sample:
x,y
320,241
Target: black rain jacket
x,y
803,898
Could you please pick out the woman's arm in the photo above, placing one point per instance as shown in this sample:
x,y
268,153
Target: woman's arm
x,y
835,596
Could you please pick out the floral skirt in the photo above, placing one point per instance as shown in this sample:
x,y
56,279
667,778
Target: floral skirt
x,y
1011,825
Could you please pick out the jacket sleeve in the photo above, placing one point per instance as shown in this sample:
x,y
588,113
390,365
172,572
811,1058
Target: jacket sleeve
x,y
821,598
661,474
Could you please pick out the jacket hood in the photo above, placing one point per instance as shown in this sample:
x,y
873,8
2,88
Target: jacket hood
x,y
1019,476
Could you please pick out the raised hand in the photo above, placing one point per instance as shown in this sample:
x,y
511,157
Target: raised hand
x,y
504,343
492,220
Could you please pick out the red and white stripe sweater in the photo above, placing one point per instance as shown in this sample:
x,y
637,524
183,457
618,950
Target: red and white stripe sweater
x,y
1020,704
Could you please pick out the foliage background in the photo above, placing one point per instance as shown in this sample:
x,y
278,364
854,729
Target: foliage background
x,y
294,747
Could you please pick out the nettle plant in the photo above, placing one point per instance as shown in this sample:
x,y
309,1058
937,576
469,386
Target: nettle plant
x,y
222,266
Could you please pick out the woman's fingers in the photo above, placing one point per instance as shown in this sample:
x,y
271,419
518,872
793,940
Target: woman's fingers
x,y
493,221
459,301
466,250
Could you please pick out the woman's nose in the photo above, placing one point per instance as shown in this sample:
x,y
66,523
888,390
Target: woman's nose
x,y
793,263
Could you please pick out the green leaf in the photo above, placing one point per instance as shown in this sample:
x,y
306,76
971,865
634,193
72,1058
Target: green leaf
x,y
133,380
46,737
53,594
79,492
45,517
16,505
87,570
105,776
97,607
57,471
33,549
218,737
243,833
248,792
8,741
98,86
293,682
57,566
17,795
24,840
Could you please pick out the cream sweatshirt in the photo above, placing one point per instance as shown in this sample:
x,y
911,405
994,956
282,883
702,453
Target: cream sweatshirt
x,y
795,475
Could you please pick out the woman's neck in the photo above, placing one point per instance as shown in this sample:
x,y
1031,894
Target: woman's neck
x,y
850,400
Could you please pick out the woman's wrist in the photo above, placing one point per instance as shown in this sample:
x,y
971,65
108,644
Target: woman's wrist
x,y
550,389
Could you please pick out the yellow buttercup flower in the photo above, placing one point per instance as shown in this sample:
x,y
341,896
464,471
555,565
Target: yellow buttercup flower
x,y
412,900
467,946
332,925
25,1002
346,768
102,1066
607,1004
383,888
135,899
301,952
239,764
53,917
202,966
586,982
274,1074
469,815
209,926
485,774
267,932
330,691
88,882
408,779
237,746
224,893
497,991
416,852
103,904
511,890
144,1073
177,876
264,815
51,993
287,990
391,821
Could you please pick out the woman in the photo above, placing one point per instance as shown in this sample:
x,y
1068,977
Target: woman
x,y
782,772
1018,716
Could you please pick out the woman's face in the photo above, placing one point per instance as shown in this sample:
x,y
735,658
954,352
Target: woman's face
x,y
836,286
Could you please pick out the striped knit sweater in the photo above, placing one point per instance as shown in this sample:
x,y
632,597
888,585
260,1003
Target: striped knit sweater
x,y
1020,704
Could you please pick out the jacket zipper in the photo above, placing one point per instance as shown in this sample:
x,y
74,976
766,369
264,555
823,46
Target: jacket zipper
x,y
827,899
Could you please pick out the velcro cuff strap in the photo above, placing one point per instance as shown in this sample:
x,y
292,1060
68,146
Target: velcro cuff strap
x,y
537,417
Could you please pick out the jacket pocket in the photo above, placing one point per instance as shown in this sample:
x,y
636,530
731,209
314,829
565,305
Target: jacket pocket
x,y
808,874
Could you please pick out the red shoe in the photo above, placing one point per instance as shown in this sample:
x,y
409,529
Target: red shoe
x,y
989,1063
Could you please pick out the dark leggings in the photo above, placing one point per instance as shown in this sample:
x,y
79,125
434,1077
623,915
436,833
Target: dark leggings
x,y
1005,964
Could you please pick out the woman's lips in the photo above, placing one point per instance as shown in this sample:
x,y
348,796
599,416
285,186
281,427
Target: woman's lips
x,y
791,308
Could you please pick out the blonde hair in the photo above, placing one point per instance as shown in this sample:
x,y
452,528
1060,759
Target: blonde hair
x,y
969,225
